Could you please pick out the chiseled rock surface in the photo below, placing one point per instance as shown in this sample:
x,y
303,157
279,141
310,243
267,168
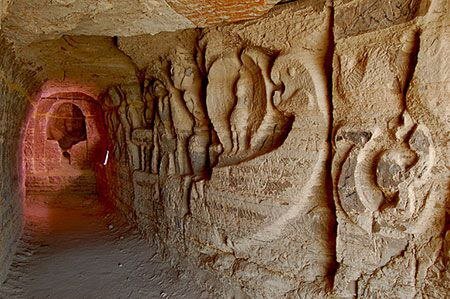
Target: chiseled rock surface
x,y
77,63
16,89
29,21
215,12
226,136
303,153
34,20
390,130
4,10
236,156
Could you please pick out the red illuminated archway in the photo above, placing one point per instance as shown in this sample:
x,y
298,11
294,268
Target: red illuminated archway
x,y
46,166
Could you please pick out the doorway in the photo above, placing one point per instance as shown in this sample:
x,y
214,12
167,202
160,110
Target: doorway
x,y
64,146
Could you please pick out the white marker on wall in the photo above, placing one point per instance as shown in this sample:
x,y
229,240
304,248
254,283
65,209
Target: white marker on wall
x,y
106,158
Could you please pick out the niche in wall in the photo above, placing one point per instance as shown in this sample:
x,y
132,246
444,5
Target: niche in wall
x,y
67,126
63,144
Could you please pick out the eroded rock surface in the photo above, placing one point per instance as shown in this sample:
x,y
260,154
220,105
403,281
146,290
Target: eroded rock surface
x,y
17,87
217,12
390,194
226,132
302,153
240,120
28,21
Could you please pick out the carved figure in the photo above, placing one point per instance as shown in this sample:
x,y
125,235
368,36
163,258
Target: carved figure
x,y
183,127
166,132
187,78
394,197
246,120
220,100
111,101
149,147
132,117
144,139
167,127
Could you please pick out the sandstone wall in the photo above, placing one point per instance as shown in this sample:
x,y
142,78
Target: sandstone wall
x,y
15,89
26,21
301,154
4,10
225,142
390,135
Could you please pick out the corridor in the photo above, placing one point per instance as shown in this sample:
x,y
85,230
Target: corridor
x,y
224,149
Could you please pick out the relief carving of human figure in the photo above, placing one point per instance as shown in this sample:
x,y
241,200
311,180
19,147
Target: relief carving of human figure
x,y
112,100
132,112
187,77
165,130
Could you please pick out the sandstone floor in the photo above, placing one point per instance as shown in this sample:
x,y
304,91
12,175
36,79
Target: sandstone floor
x,y
73,247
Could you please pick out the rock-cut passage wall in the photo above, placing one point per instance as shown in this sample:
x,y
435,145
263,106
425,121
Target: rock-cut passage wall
x,y
390,168
221,150
301,154
15,88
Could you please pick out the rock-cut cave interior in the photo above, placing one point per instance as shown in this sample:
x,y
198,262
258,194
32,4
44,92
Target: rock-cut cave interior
x,y
224,149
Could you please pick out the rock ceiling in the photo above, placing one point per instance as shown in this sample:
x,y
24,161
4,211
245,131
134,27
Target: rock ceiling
x,y
69,42
26,21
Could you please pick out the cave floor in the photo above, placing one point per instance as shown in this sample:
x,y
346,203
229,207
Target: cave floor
x,y
73,247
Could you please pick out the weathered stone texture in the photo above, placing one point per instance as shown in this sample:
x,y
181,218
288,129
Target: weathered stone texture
x,y
16,86
358,17
215,12
300,154
87,64
219,177
30,21
390,187
4,5
240,187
